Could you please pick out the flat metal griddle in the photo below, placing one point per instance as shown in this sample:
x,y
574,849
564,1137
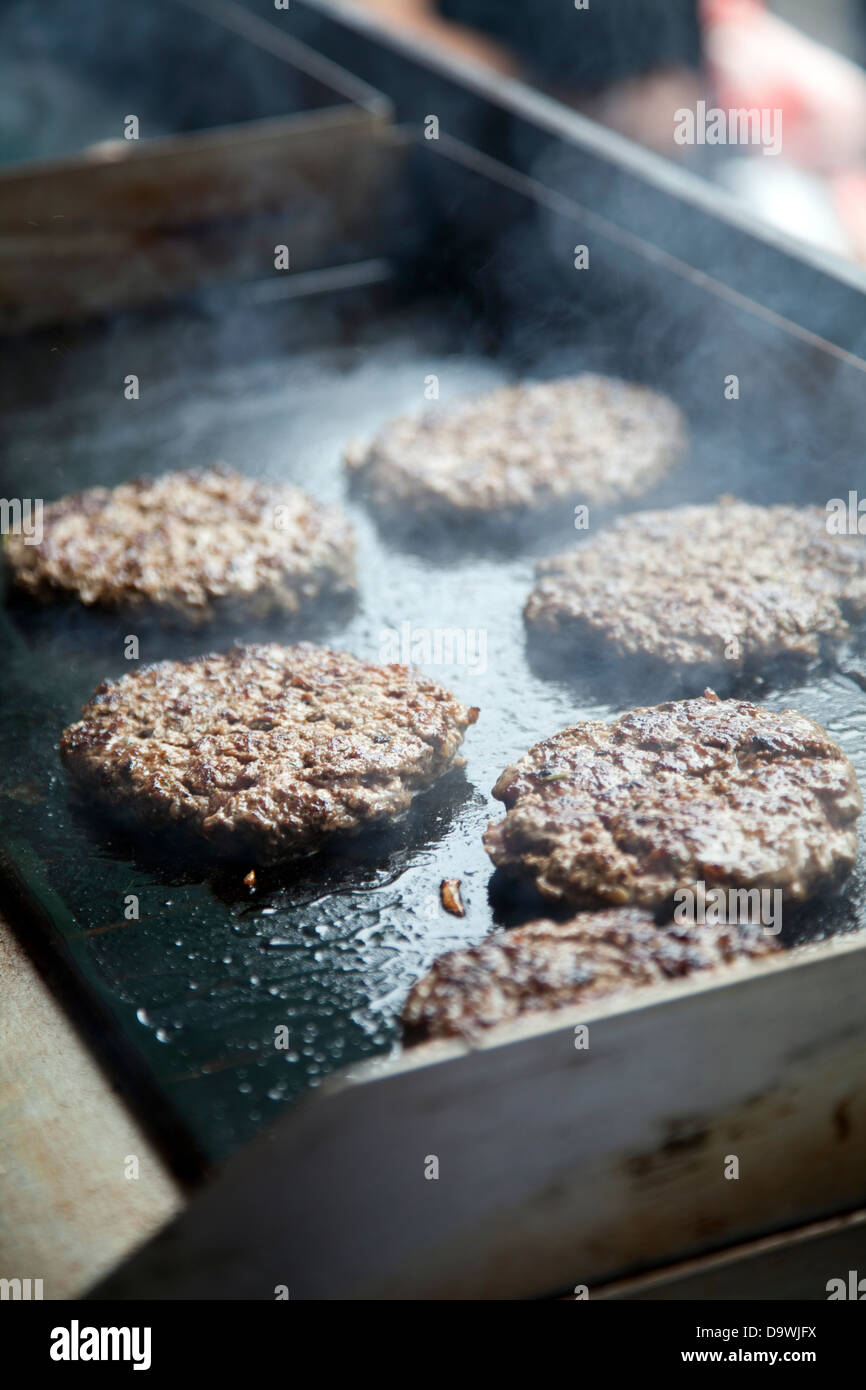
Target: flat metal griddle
x,y
273,379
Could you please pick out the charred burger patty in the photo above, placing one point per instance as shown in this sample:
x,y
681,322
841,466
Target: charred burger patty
x,y
725,586
523,449
549,965
265,751
186,544
720,791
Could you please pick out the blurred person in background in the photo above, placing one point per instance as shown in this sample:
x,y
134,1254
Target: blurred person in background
x,y
632,64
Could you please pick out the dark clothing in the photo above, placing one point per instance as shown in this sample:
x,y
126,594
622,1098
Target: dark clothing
x,y
584,49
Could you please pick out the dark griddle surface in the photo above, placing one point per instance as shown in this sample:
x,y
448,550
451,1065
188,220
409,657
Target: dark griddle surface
x,y
190,995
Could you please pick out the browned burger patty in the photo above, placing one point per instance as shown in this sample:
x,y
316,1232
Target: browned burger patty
x,y
551,965
524,448
264,750
719,791
725,586
186,544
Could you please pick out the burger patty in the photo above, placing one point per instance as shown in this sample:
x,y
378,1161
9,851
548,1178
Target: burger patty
x,y
720,791
724,586
186,544
551,965
524,449
264,750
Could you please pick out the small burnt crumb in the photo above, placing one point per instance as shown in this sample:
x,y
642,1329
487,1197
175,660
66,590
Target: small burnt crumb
x,y
250,879
449,891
